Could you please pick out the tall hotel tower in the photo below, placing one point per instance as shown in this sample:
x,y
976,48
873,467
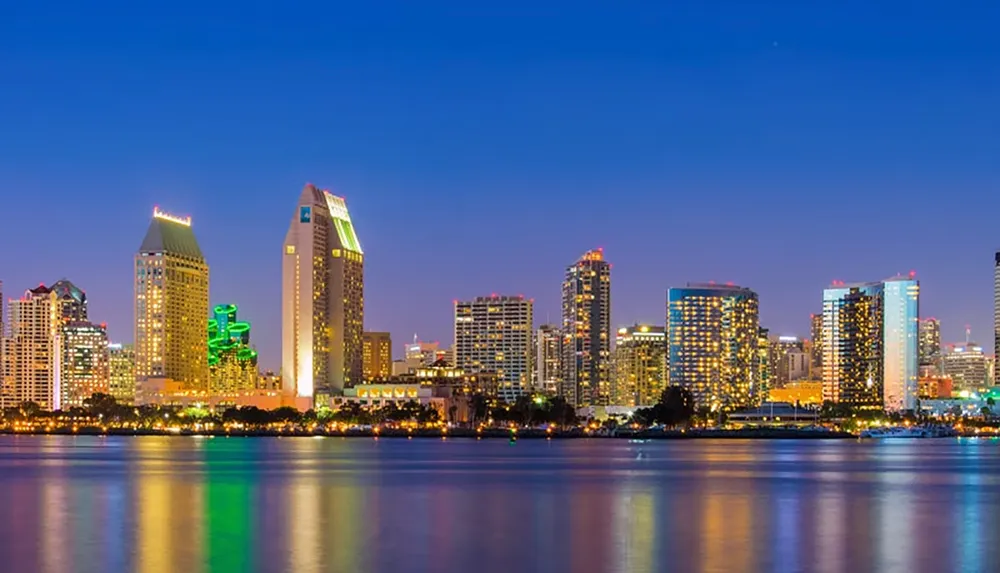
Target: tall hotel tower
x,y
586,327
713,345
871,343
322,298
171,304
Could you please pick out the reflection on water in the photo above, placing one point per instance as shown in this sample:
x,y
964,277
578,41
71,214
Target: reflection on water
x,y
160,505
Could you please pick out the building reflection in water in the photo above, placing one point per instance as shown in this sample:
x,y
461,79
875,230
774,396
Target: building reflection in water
x,y
160,505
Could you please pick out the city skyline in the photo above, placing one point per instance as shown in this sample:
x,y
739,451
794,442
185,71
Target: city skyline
x,y
647,127
270,357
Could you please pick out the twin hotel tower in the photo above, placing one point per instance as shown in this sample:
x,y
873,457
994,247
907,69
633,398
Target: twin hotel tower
x,y
864,348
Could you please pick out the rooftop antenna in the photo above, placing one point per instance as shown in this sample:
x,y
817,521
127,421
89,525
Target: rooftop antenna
x,y
968,333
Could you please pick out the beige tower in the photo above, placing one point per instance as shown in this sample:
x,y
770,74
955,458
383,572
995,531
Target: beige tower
x,y
171,304
322,299
586,328
34,350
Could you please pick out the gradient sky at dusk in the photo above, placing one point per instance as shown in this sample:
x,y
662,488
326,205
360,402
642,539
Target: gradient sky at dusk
x,y
482,147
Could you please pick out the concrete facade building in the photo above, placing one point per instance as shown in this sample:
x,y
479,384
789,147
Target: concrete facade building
x,y
639,365
548,359
34,350
377,355
966,365
84,362
930,341
493,335
586,328
121,373
322,298
171,304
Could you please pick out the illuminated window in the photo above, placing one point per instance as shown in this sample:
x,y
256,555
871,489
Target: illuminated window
x,y
289,249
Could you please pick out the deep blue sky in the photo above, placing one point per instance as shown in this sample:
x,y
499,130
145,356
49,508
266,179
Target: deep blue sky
x,y
483,146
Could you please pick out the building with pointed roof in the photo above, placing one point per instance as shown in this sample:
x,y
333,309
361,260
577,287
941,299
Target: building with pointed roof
x,y
322,299
171,304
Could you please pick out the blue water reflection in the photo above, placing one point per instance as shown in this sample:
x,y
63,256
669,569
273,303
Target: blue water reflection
x,y
160,505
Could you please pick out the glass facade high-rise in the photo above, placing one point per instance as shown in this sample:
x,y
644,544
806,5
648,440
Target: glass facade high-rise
x,y
713,338
322,299
930,341
171,304
870,342
639,365
586,328
493,335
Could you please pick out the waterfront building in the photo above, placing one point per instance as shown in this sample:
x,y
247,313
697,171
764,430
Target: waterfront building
x,y
493,334
639,365
870,344
171,304
935,387
376,355
34,350
803,393
322,298
84,362
121,373
586,329
232,362
548,359
713,338
72,300
765,375
930,341
965,364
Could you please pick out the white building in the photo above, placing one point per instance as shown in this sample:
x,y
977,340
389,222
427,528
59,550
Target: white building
x,y
322,299
34,350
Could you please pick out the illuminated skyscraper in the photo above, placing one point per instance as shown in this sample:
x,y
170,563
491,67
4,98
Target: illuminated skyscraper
x,y
121,377
232,362
870,342
548,359
84,362
322,299
713,337
377,355
586,328
171,304
930,341
34,350
493,335
639,365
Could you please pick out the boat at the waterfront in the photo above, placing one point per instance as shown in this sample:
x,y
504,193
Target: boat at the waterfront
x,y
898,432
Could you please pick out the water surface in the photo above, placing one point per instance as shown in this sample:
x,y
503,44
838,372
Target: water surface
x,y
180,504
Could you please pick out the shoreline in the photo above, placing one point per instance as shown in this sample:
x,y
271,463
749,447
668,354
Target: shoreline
x,y
461,433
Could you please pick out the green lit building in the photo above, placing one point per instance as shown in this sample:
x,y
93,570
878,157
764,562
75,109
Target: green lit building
x,y
232,363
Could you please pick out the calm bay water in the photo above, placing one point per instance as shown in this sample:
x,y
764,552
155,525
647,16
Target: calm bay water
x,y
163,505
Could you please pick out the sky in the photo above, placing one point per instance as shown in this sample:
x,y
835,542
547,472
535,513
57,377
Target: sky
x,y
482,147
